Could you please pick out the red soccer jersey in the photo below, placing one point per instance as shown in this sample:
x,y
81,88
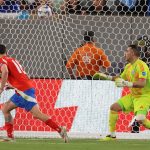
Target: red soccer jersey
x,y
17,77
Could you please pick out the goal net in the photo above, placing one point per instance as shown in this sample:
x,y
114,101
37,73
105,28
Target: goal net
x,y
44,45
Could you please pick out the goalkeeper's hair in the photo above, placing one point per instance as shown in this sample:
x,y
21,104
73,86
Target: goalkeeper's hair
x,y
135,49
2,49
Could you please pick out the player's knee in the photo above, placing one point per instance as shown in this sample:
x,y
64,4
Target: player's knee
x,y
140,118
4,109
115,107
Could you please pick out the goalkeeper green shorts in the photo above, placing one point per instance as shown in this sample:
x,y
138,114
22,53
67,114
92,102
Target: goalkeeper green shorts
x,y
138,105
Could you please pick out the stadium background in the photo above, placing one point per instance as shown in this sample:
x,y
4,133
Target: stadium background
x,y
44,46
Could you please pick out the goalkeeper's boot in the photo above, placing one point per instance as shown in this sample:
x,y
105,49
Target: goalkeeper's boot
x,y
109,138
63,134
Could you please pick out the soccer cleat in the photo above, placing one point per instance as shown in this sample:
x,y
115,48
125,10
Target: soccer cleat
x,y
109,138
63,134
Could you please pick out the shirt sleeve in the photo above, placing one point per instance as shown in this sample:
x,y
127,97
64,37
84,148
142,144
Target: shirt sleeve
x,y
2,63
143,71
105,61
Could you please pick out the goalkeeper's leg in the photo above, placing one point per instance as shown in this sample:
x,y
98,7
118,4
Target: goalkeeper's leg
x,y
113,117
141,110
146,123
141,118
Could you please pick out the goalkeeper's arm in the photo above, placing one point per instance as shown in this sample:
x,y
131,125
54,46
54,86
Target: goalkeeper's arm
x,y
119,81
138,84
102,76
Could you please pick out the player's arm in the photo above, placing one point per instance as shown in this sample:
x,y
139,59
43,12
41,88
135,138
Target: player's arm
x,y
123,83
4,76
120,82
140,83
71,73
102,76
70,65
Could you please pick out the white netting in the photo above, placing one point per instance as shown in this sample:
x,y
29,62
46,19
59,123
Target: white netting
x,y
43,45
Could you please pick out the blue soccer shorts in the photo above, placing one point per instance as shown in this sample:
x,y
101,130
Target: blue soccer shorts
x,y
25,99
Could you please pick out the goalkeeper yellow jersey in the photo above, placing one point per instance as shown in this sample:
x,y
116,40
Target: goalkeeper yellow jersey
x,y
134,72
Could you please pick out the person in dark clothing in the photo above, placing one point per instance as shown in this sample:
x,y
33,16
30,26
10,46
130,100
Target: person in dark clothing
x,y
71,7
9,6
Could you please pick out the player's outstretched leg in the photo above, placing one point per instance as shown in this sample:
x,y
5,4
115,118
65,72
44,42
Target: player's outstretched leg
x,y
48,121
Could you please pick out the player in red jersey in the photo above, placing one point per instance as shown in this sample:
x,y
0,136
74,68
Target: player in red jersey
x,y
13,74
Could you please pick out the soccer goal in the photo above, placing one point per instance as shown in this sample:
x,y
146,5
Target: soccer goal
x,y
43,45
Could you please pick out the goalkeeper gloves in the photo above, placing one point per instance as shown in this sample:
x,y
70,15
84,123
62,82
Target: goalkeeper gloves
x,y
122,83
101,76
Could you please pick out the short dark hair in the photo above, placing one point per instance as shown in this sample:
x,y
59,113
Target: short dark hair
x,y
88,36
2,49
134,47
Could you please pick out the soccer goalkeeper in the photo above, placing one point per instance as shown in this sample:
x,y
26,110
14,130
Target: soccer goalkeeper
x,y
136,76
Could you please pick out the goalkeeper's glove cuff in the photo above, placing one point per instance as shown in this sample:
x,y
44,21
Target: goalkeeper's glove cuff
x,y
122,83
128,84
109,77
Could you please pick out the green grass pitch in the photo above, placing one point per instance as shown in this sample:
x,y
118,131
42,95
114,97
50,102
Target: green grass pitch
x,y
75,144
